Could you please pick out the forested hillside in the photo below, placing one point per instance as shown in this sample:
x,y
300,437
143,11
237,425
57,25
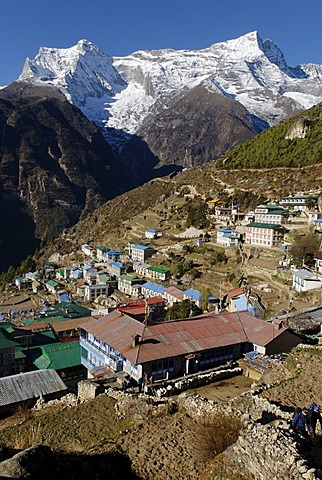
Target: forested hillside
x,y
293,143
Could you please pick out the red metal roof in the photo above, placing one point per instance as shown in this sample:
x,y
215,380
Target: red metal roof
x,y
180,337
139,307
149,301
117,330
235,293
318,256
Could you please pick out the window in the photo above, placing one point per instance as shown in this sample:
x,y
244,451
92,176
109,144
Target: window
x,y
163,366
216,355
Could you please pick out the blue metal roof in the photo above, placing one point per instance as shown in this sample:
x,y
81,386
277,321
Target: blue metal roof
x,y
117,264
140,247
154,287
194,294
87,267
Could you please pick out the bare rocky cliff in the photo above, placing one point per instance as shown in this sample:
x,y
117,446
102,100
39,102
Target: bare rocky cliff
x,y
55,168
199,127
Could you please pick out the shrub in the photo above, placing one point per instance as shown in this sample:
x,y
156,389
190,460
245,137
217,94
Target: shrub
x,y
214,435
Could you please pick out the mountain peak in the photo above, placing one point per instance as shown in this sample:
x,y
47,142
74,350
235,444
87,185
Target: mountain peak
x,y
121,92
274,54
87,46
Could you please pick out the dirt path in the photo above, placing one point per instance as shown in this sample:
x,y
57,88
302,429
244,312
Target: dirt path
x,y
224,390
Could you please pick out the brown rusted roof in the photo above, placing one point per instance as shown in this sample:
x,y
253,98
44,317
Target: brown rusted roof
x,y
117,330
235,293
139,307
180,337
174,292
66,325
261,332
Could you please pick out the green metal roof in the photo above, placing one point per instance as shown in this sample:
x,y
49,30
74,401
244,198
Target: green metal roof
x,y
67,309
59,356
272,226
130,278
6,341
19,353
38,320
8,327
276,211
104,278
159,269
52,283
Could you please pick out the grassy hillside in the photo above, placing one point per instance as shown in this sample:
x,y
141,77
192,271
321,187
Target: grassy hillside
x,y
272,149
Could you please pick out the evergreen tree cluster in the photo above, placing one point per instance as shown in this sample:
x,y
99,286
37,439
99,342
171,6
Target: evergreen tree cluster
x,y
271,149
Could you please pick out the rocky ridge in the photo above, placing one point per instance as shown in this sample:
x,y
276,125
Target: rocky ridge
x,y
55,168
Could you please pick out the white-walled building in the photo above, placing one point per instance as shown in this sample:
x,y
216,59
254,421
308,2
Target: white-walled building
x,y
89,274
264,234
272,214
304,280
152,233
173,295
227,237
140,252
296,203
91,292
88,250
130,285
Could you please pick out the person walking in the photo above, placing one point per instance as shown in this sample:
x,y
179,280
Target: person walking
x,y
299,421
312,418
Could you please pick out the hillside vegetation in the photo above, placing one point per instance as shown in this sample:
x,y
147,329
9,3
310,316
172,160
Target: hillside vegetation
x,y
272,149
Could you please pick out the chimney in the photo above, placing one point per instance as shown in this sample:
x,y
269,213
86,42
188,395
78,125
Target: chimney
x,y
136,340
277,324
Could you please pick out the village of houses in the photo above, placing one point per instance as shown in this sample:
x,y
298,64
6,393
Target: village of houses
x,y
105,316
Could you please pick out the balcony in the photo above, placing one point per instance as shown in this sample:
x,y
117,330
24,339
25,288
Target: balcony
x,y
115,365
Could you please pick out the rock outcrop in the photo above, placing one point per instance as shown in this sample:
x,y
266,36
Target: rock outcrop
x,y
299,129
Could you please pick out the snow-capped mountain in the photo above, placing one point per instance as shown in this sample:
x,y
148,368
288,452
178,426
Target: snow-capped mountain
x,y
83,73
120,92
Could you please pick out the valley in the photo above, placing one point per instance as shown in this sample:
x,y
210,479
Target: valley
x,y
161,264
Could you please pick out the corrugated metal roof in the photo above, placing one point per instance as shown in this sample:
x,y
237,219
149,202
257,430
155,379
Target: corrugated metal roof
x,y
26,386
59,356
174,292
270,226
194,294
236,292
154,287
170,339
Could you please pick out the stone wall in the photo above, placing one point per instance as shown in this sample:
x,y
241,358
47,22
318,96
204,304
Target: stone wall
x,y
267,448
88,389
176,386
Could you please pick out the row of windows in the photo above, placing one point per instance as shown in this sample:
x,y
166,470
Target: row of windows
x,y
163,366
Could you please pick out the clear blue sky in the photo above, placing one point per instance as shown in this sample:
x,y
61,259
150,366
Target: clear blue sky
x,y
121,27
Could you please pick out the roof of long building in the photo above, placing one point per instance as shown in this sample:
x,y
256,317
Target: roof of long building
x,y
180,337
30,385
